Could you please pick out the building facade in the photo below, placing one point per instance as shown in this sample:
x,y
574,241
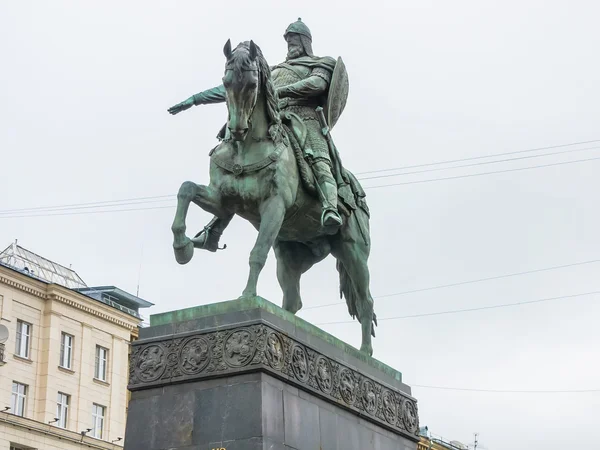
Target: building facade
x,y
428,441
64,367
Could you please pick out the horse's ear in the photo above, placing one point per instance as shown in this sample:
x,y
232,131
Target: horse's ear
x,y
253,50
227,49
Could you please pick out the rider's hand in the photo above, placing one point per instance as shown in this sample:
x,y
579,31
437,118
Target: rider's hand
x,y
187,104
283,103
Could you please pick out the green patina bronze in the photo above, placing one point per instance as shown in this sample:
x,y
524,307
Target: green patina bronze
x,y
278,167
251,303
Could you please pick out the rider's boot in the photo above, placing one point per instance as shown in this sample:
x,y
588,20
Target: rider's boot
x,y
330,218
208,238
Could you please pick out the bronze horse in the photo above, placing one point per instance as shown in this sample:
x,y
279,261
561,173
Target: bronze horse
x,y
254,174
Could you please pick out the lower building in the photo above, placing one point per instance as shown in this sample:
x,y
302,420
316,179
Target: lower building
x,y
431,442
63,356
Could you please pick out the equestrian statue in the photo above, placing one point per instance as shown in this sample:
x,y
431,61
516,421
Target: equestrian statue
x,y
277,166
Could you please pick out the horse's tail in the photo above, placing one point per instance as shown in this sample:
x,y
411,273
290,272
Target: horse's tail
x,y
356,304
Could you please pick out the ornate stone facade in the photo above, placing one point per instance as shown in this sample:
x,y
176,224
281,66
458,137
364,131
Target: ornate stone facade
x,y
157,362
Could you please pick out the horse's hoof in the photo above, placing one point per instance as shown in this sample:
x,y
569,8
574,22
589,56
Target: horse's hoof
x,y
184,252
368,349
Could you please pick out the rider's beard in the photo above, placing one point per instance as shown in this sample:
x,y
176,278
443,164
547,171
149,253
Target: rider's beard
x,y
295,51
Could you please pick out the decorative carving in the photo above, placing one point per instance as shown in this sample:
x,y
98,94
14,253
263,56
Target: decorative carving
x,y
239,348
323,374
410,418
389,407
300,362
151,363
217,352
274,351
347,386
369,397
194,356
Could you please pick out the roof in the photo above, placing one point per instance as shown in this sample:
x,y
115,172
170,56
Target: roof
x,y
23,260
117,293
35,266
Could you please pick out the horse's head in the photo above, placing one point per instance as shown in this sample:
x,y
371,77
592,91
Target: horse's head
x,y
247,75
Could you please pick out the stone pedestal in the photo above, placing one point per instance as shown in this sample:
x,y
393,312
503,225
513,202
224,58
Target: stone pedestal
x,y
247,375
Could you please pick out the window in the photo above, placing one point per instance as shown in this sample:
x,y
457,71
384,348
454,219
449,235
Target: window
x,y
23,339
18,399
101,360
62,409
66,350
97,420
19,447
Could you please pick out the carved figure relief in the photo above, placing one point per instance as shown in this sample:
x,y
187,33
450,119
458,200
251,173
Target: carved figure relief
x,y
389,407
410,417
300,363
194,356
369,397
239,348
274,351
324,374
151,363
347,386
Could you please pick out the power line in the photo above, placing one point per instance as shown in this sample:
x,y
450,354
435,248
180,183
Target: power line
x,y
90,212
139,200
478,164
77,205
34,213
480,308
461,283
449,161
508,391
482,174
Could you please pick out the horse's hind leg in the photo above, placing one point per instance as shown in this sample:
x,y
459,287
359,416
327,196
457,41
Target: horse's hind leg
x,y
201,195
293,259
354,281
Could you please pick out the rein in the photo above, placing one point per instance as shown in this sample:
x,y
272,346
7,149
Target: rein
x,y
238,169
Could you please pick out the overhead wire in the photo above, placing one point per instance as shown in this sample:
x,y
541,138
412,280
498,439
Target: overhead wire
x,y
463,310
462,283
32,211
481,174
479,163
450,161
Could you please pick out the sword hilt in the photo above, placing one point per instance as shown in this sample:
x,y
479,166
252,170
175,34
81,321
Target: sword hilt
x,y
322,121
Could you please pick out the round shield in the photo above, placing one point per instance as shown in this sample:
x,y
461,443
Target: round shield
x,y
338,93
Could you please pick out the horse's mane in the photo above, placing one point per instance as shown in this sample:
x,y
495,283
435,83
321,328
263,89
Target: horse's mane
x,y
241,61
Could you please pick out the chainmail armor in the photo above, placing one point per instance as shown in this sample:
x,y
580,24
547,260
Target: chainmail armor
x,y
315,141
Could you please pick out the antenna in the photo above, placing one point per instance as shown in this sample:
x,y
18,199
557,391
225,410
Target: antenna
x,y
3,334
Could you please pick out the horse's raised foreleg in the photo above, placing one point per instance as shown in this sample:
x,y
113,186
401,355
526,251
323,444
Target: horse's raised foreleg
x,y
272,213
204,197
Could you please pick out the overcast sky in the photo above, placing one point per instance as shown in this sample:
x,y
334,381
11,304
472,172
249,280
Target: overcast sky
x,y
84,88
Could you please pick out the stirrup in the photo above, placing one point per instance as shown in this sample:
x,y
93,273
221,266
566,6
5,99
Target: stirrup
x,y
208,234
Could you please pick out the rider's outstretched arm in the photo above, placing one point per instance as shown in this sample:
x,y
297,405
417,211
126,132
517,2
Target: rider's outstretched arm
x,y
214,95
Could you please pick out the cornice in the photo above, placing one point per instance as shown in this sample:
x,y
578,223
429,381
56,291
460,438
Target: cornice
x,y
14,283
57,433
129,325
53,292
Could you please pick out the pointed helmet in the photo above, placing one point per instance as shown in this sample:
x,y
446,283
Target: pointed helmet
x,y
300,28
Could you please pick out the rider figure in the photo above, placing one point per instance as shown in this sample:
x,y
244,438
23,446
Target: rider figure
x,y
302,84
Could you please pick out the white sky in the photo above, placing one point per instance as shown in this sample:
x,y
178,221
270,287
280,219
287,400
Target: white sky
x,y
84,88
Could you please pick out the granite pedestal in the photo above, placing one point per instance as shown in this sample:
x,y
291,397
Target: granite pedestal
x,y
247,375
